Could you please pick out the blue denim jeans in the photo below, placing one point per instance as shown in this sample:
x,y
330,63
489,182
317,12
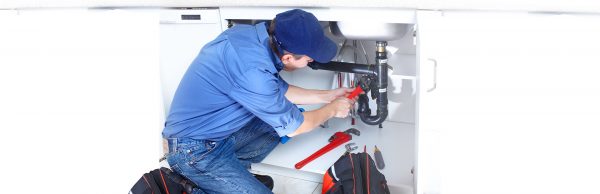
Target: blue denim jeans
x,y
222,166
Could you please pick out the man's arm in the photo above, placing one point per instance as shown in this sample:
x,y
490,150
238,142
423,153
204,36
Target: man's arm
x,y
298,95
338,108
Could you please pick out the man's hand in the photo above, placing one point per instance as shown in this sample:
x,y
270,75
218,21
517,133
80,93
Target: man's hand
x,y
336,93
341,106
298,95
338,105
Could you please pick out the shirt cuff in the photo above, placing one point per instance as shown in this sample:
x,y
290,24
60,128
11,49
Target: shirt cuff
x,y
292,126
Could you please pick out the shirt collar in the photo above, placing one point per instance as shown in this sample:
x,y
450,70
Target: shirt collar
x,y
263,35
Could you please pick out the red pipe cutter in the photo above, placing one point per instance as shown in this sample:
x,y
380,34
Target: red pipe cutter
x,y
337,139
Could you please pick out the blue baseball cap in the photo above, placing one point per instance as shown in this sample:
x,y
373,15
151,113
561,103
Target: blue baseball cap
x,y
299,32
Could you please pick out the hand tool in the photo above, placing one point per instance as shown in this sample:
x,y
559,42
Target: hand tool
x,y
338,138
355,92
350,147
379,158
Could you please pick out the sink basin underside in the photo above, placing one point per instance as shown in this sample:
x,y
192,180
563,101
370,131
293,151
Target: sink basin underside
x,y
365,30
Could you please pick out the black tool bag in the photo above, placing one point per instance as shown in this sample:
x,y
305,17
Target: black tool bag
x,y
356,174
162,181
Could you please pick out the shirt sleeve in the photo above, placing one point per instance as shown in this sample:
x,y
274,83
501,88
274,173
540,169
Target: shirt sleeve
x,y
263,94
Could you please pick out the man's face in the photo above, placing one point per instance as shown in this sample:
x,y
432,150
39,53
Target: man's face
x,y
291,62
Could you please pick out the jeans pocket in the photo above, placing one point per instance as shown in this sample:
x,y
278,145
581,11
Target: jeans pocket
x,y
200,152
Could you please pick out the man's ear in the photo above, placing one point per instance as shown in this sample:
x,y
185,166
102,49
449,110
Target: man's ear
x,y
286,58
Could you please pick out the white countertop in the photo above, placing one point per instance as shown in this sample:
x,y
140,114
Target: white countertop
x,y
577,6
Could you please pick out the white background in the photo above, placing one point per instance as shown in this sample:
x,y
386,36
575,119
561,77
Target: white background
x,y
80,101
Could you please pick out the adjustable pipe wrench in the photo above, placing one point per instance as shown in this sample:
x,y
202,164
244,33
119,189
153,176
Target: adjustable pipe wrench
x,y
337,139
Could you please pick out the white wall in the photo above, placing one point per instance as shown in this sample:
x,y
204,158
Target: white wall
x,y
80,103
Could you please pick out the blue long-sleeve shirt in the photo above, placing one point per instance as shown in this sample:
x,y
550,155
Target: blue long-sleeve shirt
x,y
233,79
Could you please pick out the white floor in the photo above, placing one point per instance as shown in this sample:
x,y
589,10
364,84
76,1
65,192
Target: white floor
x,y
285,185
395,140
292,185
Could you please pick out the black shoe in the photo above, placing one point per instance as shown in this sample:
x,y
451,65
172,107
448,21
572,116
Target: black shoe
x,y
265,179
